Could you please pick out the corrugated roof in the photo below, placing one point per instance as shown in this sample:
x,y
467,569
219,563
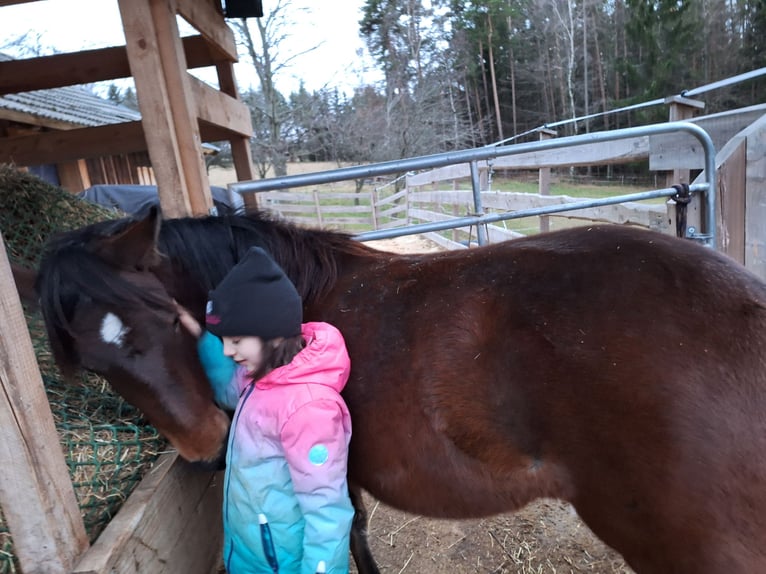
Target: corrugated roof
x,y
72,104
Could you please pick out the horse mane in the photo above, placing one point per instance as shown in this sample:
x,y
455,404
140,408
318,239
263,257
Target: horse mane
x,y
208,247
203,249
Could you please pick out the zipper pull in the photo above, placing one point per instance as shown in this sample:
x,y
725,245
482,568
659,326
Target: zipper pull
x,y
321,567
268,543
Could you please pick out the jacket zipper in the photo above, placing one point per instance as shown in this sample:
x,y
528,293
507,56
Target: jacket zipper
x,y
235,425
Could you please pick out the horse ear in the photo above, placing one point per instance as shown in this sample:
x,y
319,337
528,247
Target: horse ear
x,y
135,247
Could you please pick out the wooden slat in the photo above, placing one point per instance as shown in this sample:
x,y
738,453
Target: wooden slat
x,y
601,153
652,216
59,146
85,67
171,523
755,192
216,107
36,492
671,151
206,18
439,174
731,203
749,184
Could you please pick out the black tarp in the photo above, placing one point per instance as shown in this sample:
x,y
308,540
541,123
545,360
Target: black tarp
x,y
133,199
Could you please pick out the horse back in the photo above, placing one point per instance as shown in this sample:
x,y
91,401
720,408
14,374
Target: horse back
x,y
606,366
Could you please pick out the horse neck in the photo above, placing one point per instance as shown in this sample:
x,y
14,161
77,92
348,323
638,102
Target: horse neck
x,y
203,250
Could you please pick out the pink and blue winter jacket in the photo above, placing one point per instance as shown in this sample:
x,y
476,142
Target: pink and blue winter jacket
x,y
286,502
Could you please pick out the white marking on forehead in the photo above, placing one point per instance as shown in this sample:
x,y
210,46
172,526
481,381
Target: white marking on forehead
x,y
113,330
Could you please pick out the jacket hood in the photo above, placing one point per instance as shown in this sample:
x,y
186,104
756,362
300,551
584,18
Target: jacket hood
x,y
324,360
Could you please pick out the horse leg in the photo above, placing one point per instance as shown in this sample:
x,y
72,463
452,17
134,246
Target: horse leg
x,y
360,548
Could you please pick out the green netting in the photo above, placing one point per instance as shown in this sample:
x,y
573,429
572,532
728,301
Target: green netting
x,y
106,443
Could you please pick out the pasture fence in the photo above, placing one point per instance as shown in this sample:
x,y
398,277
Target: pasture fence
x,y
414,210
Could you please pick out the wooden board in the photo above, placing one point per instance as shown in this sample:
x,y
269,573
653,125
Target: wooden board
x,y
171,523
36,492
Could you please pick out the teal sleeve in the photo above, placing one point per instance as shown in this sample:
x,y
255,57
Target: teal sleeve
x,y
219,369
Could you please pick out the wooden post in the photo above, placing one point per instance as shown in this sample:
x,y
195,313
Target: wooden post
x,y
681,109
36,491
544,179
168,110
240,146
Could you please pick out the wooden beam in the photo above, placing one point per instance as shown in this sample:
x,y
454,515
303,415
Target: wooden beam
x,y
87,66
36,491
681,149
600,153
60,146
167,108
170,523
217,108
207,17
28,119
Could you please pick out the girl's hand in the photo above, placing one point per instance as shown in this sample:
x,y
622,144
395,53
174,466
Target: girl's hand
x,y
189,322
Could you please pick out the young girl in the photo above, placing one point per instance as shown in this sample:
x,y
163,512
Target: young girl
x,y
286,503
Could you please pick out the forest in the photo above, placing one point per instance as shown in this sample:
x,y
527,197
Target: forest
x,y
460,73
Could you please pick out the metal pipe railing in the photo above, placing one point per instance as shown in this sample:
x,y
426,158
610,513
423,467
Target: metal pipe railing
x,y
491,152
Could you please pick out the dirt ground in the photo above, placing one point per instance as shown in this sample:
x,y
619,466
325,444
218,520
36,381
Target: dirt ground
x,y
546,537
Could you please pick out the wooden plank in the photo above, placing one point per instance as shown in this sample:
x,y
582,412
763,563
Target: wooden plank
x,y
162,86
731,203
204,16
652,216
60,146
171,523
307,197
447,173
392,211
85,67
70,176
755,207
754,139
395,197
30,120
220,109
600,153
682,150
36,492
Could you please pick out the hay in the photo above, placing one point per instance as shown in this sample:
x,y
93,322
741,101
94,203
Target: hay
x,y
106,443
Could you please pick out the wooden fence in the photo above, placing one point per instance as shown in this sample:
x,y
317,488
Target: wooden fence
x,y
739,135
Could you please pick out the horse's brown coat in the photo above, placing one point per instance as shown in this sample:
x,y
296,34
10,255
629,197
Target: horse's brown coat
x,y
618,369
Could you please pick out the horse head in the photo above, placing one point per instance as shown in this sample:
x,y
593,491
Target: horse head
x,y
108,304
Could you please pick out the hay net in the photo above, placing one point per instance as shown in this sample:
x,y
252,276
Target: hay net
x,y
106,443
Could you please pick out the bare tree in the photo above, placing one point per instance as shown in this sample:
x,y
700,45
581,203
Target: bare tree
x,y
265,50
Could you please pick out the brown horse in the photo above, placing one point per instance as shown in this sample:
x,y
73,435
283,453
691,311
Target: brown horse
x,y
618,369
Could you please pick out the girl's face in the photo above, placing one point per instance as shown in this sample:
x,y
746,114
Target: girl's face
x,y
246,351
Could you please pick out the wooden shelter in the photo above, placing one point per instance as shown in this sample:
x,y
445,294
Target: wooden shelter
x,y
171,522
178,111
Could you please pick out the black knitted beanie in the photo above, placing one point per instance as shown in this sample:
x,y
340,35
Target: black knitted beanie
x,y
255,298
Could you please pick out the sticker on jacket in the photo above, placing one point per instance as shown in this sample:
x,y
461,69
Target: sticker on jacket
x,y
318,454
